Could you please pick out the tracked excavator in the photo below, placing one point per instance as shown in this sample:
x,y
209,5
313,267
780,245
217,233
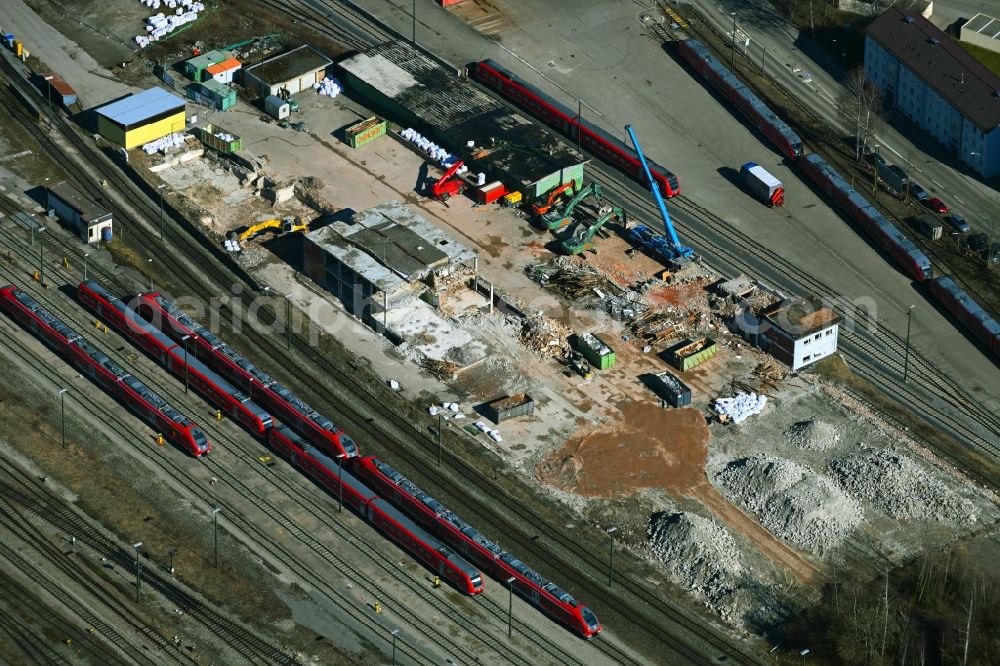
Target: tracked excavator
x,y
560,217
542,206
582,239
286,226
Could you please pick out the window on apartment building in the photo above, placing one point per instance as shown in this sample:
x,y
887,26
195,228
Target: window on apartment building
x,y
807,341
829,331
817,336
805,359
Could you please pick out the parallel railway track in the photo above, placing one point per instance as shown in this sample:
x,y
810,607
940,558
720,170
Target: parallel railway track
x,y
876,351
247,450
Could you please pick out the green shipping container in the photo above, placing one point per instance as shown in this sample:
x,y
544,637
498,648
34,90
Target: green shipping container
x,y
597,353
220,140
365,132
692,353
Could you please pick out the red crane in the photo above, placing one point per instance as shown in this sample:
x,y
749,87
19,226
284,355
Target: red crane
x,y
449,186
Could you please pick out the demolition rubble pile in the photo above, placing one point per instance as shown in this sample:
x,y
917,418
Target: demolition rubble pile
x,y
902,487
806,509
544,335
813,435
653,310
699,554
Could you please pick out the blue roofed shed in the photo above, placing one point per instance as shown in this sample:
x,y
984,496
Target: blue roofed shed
x,y
141,118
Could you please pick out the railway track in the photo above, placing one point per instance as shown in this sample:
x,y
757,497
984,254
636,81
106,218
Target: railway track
x,y
666,628
28,641
14,521
243,641
819,134
247,451
408,428
585,567
871,347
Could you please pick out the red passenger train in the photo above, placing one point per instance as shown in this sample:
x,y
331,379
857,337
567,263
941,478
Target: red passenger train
x,y
248,378
557,115
447,564
141,333
970,313
104,372
491,558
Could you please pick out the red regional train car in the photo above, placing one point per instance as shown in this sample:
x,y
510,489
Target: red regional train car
x,y
556,114
491,558
260,387
966,310
136,396
730,87
323,469
142,334
885,235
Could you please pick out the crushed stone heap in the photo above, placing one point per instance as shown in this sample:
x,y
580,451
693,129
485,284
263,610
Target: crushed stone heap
x,y
901,487
699,554
813,434
806,509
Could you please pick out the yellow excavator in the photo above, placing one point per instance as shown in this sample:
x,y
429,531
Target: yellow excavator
x,y
285,226
234,239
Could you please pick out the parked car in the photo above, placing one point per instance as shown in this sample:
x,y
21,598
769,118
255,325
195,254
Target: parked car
x,y
917,192
958,223
978,243
936,205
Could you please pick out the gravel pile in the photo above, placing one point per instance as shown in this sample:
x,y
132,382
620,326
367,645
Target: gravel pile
x,y
798,505
902,487
813,434
698,554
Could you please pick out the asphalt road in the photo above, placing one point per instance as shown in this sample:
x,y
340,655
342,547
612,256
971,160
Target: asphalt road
x,y
947,11
601,53
800,67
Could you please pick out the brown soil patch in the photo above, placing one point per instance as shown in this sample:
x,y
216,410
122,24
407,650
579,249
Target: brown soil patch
x,y
650,447
632,454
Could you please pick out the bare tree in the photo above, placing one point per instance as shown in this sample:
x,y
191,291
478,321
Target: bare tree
x,y
858,107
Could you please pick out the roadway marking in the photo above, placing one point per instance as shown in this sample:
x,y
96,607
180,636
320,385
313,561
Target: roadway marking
x,y
937,183
959,200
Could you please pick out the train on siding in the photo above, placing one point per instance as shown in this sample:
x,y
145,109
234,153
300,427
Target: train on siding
x,y
557,115
739,95
248,378
856,208
437,538
427,548
314,463
491,558
859,210
967,311
96,365
142,334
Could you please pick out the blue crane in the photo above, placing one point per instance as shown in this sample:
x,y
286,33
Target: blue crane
x,y
673,250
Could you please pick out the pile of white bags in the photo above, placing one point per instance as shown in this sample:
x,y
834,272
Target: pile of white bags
x,y
329,87
175,140
436,152
741,406
160,25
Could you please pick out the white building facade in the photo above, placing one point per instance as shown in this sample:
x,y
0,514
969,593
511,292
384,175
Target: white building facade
x,y
928,78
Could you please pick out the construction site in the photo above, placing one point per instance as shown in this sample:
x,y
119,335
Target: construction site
x,y
549,323
459,296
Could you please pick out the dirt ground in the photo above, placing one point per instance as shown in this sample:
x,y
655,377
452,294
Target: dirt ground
x,y
652,448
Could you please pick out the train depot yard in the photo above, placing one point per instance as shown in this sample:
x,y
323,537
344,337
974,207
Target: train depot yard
x,y
326,343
